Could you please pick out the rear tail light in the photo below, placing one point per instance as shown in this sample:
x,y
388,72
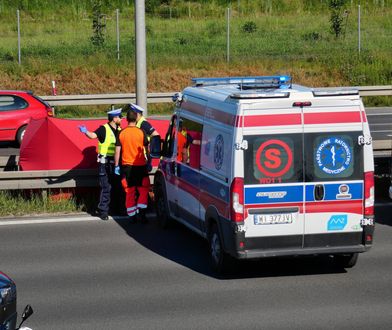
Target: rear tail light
x,y
369,194
50,111
237,200
302,104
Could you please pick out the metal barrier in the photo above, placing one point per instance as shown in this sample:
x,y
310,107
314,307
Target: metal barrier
x,y
51,179
95,99
48,179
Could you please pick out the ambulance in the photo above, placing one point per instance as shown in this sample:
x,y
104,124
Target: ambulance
x,y
270,169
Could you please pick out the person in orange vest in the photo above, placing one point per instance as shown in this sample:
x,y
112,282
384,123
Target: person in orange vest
x,y
107,136
184,140
131,147
142,123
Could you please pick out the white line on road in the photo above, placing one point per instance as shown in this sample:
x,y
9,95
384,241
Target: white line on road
x,y
42,220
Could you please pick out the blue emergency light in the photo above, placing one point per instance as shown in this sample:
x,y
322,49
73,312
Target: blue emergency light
x,y
282,82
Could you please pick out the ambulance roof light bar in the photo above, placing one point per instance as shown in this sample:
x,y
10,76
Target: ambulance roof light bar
x,y
273,95
256,82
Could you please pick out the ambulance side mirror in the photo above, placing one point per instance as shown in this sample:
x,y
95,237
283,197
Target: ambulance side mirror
x,y
155,146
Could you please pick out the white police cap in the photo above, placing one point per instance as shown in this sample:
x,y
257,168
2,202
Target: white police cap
x,y
136,108
115,113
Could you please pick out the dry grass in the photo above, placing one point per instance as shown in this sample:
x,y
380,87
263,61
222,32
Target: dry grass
x,y
102,80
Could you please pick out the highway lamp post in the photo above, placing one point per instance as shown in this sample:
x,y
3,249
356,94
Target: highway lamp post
x,y
141,63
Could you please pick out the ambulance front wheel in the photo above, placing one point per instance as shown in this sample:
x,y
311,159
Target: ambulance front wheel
x,y
220,260
346,260
161,207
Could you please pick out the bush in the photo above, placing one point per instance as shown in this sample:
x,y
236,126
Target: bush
x,y
249,27
337,16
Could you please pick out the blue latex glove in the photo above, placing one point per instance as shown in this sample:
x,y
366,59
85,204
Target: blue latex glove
x,y
83,129
117,170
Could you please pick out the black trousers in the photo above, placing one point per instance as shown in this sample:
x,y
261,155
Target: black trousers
x,y
112,196
105,176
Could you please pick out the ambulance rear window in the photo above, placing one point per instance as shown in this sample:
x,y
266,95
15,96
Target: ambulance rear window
x,y
333,156
273,159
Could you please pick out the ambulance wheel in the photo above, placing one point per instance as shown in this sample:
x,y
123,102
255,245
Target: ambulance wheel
x,y
346,260
161,207
20,134
220,260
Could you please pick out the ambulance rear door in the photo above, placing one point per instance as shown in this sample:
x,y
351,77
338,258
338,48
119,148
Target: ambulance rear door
x,y
273,176
334,172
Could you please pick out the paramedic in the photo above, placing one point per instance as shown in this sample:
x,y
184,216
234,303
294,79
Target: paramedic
x,y
153,137
107,136
184,140
131,145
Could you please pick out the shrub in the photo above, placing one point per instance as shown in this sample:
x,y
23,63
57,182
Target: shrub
x,y
249,27
337,16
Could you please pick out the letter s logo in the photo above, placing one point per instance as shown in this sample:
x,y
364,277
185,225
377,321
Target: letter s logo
x,y
273,156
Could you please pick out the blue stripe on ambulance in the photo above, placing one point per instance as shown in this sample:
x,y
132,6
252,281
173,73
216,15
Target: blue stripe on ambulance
x,y
355,192
274,194
294,193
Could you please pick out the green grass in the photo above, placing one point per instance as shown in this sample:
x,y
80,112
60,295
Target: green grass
x,y
291,37
100,111
20,203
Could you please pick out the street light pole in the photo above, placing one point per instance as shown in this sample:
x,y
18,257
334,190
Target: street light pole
x,y
141,62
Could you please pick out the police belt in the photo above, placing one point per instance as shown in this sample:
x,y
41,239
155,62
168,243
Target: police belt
x,y
103,159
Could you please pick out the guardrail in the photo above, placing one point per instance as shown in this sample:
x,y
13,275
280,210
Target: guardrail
x,y
101,99
97,99
52,179
48,179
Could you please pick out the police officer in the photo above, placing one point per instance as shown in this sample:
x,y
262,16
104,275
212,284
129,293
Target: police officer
x,y
153,138
131,148
107,136
141,122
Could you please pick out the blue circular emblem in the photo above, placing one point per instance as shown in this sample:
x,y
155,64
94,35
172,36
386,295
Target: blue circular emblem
x,y
333,156
218,151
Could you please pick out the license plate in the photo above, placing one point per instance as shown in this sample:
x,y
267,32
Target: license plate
x,y
274,218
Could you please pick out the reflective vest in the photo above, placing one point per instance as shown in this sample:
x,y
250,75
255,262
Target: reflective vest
x,y
108,147
139,124
182,144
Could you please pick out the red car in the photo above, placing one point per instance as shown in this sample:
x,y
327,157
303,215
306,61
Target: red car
x,y
16,110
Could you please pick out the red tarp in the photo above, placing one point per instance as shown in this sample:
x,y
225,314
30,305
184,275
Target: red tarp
x,y
57,144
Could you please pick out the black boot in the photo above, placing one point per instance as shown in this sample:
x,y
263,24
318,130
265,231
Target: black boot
x,y
142,214
132,219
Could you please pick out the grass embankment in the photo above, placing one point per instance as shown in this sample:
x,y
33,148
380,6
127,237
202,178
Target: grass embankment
x,y
19,203
292,38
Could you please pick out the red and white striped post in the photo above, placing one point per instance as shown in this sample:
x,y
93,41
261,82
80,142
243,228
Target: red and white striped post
x,y
54,92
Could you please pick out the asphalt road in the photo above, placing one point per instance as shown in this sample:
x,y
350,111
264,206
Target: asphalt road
x,y
92,274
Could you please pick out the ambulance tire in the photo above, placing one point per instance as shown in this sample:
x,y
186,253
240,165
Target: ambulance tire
x,y
346,260
220,260
162,210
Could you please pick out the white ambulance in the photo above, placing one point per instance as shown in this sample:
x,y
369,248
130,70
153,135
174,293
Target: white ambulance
x,y
263,168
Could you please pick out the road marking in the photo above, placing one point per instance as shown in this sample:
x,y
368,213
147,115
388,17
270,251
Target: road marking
x,y
58,220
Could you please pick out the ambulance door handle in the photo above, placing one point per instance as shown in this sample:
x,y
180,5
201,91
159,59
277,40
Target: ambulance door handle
x,y
319,192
